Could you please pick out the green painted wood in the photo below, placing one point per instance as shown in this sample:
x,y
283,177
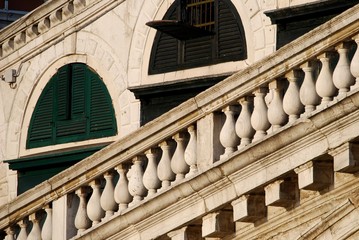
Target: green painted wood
x,y
74,106
36,169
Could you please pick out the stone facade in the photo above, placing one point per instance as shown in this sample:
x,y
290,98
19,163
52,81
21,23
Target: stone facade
x,y
116,43
230,192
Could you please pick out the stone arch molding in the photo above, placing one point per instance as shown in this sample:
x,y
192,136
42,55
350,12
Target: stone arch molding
x,y
36,73
143,36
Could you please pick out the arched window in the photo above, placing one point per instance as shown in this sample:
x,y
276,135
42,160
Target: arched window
x,y
197,33
75,105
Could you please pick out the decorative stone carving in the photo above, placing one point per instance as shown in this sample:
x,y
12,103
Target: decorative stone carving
x,y
150,178
94,209
135,180
259,118
46,233
190,154
228,137
178,164
244,127
82,222
324,85
164,171
308,95
35,233
107,199
122,194
276,115
291,100
342,77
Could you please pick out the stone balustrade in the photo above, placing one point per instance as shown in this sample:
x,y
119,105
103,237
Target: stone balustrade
x,y
188,143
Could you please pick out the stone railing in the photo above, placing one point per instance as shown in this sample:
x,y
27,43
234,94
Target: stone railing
x,y
299,81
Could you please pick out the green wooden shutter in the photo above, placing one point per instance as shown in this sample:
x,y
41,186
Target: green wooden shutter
x,y
74,128
62,92
41,124
102,117
74,106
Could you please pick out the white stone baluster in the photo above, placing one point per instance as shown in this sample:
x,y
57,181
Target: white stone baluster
x,y
342,77
46,232
35,233
10,233
228,136
308,94
23,233
291,100
190,154
324,85
150,178
354,64
259,118
178,164
94,209
82,222
276,114
135,180
244,127
122,195
107,201
164,171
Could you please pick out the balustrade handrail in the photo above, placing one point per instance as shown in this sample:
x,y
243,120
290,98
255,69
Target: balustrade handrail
x,y
321,39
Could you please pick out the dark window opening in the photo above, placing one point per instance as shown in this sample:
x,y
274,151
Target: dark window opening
x,y
293,22
196,33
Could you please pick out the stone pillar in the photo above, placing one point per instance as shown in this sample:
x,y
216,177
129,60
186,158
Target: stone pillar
x,y
209,147
63,212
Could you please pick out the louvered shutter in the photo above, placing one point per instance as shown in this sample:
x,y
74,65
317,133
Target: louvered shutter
x,y
74,127
227,44
102,122
198,50
74,106
62,92
41,125
165,50
231,41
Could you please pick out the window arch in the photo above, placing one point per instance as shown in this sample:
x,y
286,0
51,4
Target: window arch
x,y
196,33
75,105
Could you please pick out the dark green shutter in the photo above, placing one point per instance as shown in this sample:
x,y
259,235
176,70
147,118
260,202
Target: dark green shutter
x,y
74,106
102,116
62,92
41,124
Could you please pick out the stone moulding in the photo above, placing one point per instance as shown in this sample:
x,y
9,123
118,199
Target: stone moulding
x,y
45,18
